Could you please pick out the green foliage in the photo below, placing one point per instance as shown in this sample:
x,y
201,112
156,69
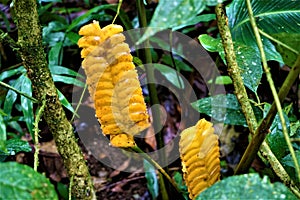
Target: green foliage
x,y
178,14
12,147
180,183
271,17
292,40
247,186
224,108
248,59
170,74
152,183
289,165
22,182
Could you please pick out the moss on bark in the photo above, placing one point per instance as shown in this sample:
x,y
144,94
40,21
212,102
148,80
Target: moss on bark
x,y
34,60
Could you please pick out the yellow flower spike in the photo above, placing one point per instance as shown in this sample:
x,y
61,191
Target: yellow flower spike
x,y
199,153
92,29
113,83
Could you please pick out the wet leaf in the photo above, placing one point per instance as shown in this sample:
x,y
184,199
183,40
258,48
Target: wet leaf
x,y
14,146
22,182
248,59
247,186
224,108
177,14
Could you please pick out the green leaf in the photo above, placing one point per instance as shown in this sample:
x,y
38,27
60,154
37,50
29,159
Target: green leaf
x,y
73,37
170,74
289,165
179,64
61,70
12,72
27,105
67,80
11,96
272,17
65,102
221,80
224,108
2,129
180,184
152,183
56,54
176,14
247,57
293,41
14,146
79,21
22,182
246,186
275,138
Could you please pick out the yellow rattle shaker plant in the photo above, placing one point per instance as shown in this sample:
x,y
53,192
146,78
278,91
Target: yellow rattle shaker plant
x,y
199,153
113,83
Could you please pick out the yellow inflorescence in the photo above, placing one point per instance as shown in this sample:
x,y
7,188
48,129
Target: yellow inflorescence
x,y
199,152
113,83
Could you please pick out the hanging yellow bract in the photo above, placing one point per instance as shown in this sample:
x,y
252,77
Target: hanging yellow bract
x,y
113,83
199,153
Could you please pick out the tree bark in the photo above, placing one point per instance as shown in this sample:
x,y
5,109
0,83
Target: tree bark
x,y
34,60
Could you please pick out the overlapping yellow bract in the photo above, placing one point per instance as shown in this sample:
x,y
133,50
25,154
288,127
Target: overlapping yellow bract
x,y
113,83
199,153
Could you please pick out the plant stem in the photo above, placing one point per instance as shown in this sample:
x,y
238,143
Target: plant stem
x,y
160,169
153,98
278,42
272,86
36,135
19,92
79,103
234,70
118,10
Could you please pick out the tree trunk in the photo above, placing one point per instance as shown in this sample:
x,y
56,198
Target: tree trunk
x,y
34,60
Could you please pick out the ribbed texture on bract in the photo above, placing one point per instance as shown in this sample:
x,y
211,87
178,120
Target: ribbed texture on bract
x,y
113,83
199,153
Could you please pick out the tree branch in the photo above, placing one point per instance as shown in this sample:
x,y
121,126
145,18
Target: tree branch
x,y
34,59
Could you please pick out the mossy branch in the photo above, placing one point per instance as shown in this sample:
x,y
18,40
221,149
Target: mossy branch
x,y
234,70
34,60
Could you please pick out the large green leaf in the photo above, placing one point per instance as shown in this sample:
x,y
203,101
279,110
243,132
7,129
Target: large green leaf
x,y
178,14
247,57
272,17
246,186
292,40
22,182
224,108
